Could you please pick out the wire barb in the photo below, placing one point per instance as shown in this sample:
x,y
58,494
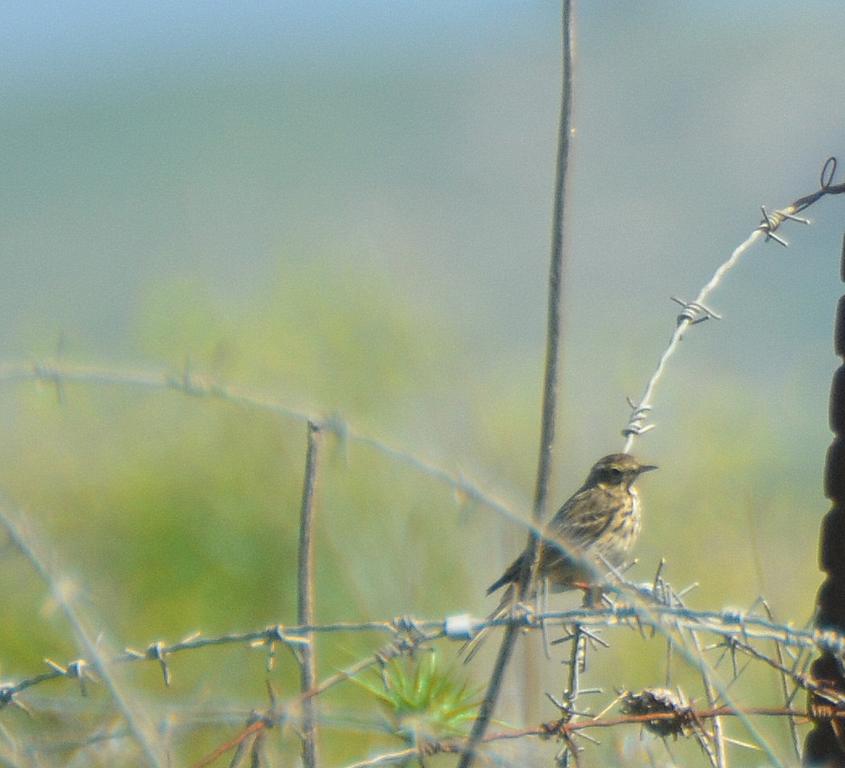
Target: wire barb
x,y
156,652
637,420
694,312
769,223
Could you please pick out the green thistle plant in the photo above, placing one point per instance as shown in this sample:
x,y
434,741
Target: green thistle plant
x,y
422,701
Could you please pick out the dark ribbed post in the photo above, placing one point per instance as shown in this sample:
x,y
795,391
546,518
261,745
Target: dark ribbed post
x,y
825,745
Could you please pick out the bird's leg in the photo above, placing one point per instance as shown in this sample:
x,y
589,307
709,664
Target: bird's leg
x,y
592,593
592,599
543,595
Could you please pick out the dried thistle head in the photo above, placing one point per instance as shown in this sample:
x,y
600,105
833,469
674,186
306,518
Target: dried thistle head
x,y
660,701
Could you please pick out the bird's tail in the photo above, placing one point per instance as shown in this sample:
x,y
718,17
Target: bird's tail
x,y
473,646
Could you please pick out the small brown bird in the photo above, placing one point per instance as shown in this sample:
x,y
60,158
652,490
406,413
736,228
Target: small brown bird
x,y
596,527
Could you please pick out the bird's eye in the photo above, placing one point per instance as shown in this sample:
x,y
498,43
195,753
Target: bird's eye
x,y
615,474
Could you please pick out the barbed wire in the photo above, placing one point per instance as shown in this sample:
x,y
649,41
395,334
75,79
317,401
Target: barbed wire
x,y
645,607
696,311
188,382
740,628
724,623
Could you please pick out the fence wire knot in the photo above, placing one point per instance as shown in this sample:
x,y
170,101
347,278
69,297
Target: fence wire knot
x,y
636,421
819,711
827,174
694,312
831,641
7,694
407,635
771,221
274,635
555,727
79,669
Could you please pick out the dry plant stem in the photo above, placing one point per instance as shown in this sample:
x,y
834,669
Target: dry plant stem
x,y
142,734
557,267
784,686
231,744
305,601
793,726
550,388
712,700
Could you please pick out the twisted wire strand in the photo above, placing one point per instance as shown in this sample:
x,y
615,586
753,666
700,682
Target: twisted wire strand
x,y
726,624
696,311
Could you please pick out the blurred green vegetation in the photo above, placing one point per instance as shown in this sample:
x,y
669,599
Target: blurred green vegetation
x,y
175,514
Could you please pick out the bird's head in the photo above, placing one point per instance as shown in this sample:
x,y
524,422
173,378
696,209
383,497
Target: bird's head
x,y
617,470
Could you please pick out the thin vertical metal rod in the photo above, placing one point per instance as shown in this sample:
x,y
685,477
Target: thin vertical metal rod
x,y
557,267
305,598
550,388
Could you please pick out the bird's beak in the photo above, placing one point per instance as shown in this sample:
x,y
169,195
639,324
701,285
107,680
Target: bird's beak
x,y
646,468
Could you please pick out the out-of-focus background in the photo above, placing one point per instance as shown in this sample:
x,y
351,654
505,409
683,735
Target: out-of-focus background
x,y
346,205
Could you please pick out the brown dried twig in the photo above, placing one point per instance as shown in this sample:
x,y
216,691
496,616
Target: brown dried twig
x,y
306,589
679,721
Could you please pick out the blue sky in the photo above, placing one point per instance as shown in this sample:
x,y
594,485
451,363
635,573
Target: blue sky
x,y
60,41
56,39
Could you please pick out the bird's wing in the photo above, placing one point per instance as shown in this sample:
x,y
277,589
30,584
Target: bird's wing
x,y
578,523
510,575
